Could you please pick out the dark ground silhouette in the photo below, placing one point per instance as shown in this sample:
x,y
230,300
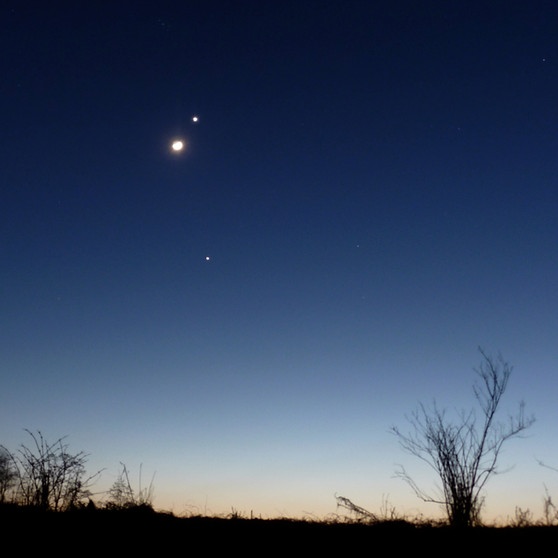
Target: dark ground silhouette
x,y
144,531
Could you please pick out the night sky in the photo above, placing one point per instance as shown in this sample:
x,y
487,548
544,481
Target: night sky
x,y
369,194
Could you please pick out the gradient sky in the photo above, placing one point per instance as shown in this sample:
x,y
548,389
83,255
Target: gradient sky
x,y
375,184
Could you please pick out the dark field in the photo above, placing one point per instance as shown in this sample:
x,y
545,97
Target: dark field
x,y
145,532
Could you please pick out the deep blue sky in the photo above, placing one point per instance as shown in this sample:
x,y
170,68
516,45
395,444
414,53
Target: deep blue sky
x,y
375,184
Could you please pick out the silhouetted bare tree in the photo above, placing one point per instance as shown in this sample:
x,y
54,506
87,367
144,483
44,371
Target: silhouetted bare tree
x,y
464,454
49,476
8,474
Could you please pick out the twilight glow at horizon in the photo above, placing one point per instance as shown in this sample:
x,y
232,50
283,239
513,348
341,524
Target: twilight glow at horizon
x,y
237,267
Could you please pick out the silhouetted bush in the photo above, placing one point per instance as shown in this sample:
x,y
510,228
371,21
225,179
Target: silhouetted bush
x,y
123,496
464,454
47,476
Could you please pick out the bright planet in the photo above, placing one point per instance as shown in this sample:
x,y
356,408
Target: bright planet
x,y
177,145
